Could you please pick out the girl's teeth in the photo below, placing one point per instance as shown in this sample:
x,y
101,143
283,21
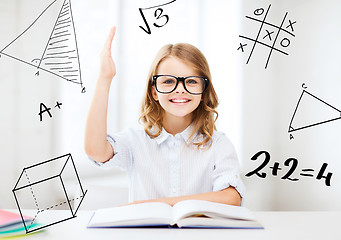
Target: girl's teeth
x,y
179,100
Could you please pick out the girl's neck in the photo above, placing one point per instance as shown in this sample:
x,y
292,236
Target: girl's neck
x,y
174,124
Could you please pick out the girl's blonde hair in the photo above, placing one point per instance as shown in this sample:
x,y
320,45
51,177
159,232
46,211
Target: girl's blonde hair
x,y
204,116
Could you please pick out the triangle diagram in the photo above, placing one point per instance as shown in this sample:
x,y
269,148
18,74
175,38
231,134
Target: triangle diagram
x,y
49,43
311,111
29,45
61,53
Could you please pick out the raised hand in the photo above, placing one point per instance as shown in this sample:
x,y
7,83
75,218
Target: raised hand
x,y
95,142
108,67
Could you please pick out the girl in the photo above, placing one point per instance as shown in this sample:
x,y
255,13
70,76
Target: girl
x,y
179,155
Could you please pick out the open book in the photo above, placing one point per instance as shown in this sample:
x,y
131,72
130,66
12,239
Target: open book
x,y
188,213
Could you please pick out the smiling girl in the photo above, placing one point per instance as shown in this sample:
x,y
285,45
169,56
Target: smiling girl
x,y
179,155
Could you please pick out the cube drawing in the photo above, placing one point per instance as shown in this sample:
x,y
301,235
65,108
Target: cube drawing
x,y
50,185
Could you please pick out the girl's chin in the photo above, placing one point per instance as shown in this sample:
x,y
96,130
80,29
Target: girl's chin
x,y
179,114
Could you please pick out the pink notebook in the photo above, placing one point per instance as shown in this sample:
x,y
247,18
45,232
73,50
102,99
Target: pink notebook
x,y
9,218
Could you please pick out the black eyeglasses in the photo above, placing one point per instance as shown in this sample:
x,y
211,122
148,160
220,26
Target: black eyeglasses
x,y
167,83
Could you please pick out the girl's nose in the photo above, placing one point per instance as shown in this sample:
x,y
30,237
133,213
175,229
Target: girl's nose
x,y
180,88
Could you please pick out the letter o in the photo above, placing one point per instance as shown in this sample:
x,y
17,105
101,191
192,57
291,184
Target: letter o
x,y
259,11
285,40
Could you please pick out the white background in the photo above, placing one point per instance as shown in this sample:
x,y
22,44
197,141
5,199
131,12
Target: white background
x,y
256,104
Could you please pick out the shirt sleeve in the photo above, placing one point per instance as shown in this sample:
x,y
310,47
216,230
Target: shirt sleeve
x,y
226,171
122,151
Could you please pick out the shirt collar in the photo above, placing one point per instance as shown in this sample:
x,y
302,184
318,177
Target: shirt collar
x,y
164,135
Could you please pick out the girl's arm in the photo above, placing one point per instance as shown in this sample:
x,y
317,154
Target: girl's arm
x,y
96,145
227,196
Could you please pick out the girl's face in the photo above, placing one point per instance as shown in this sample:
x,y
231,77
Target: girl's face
x,y
178,103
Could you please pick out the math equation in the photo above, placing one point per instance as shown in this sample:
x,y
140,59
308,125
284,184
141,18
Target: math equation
x,y
269,35
160,19
292,164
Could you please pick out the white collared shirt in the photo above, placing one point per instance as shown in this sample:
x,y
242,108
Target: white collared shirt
x,y
167,166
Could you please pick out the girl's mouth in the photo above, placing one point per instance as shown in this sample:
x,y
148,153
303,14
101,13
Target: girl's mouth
x,y
179,100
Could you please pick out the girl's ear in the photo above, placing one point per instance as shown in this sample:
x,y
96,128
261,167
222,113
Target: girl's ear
x,y
154,94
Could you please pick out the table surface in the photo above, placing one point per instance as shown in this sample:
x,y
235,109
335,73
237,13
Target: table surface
x,y
278,225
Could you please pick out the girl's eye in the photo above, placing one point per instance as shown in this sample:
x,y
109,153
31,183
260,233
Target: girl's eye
x,y
191,81
169,81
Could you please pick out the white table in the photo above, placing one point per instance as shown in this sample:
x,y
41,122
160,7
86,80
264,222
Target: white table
x,y
278,225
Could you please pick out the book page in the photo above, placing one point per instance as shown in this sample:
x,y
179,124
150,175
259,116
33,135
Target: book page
x,y
136,214
200,222
188,208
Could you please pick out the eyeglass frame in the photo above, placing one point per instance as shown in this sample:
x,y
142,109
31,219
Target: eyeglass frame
x,y
180,79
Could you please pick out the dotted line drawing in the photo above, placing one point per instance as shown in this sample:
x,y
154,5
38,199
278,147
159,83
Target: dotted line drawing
x,y
50,208
34,197
26,184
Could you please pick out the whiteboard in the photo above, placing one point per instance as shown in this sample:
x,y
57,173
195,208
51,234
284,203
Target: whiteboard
x,y
275,67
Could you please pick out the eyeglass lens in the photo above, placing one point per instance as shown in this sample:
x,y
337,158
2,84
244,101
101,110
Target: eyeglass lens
x,y
167,84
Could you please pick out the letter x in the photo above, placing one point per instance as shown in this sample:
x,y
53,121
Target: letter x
x,y
268,34
241,46
290,25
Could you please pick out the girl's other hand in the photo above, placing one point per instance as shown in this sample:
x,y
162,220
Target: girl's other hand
x,y
108,67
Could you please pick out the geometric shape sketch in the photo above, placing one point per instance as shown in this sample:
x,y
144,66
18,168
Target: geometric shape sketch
x,y
54,51
50,185
311,111
272,37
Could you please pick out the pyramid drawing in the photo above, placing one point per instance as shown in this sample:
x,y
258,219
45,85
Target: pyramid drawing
x,y
311,111
49,43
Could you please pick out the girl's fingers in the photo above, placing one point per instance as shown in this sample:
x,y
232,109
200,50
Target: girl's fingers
x,y
108,42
